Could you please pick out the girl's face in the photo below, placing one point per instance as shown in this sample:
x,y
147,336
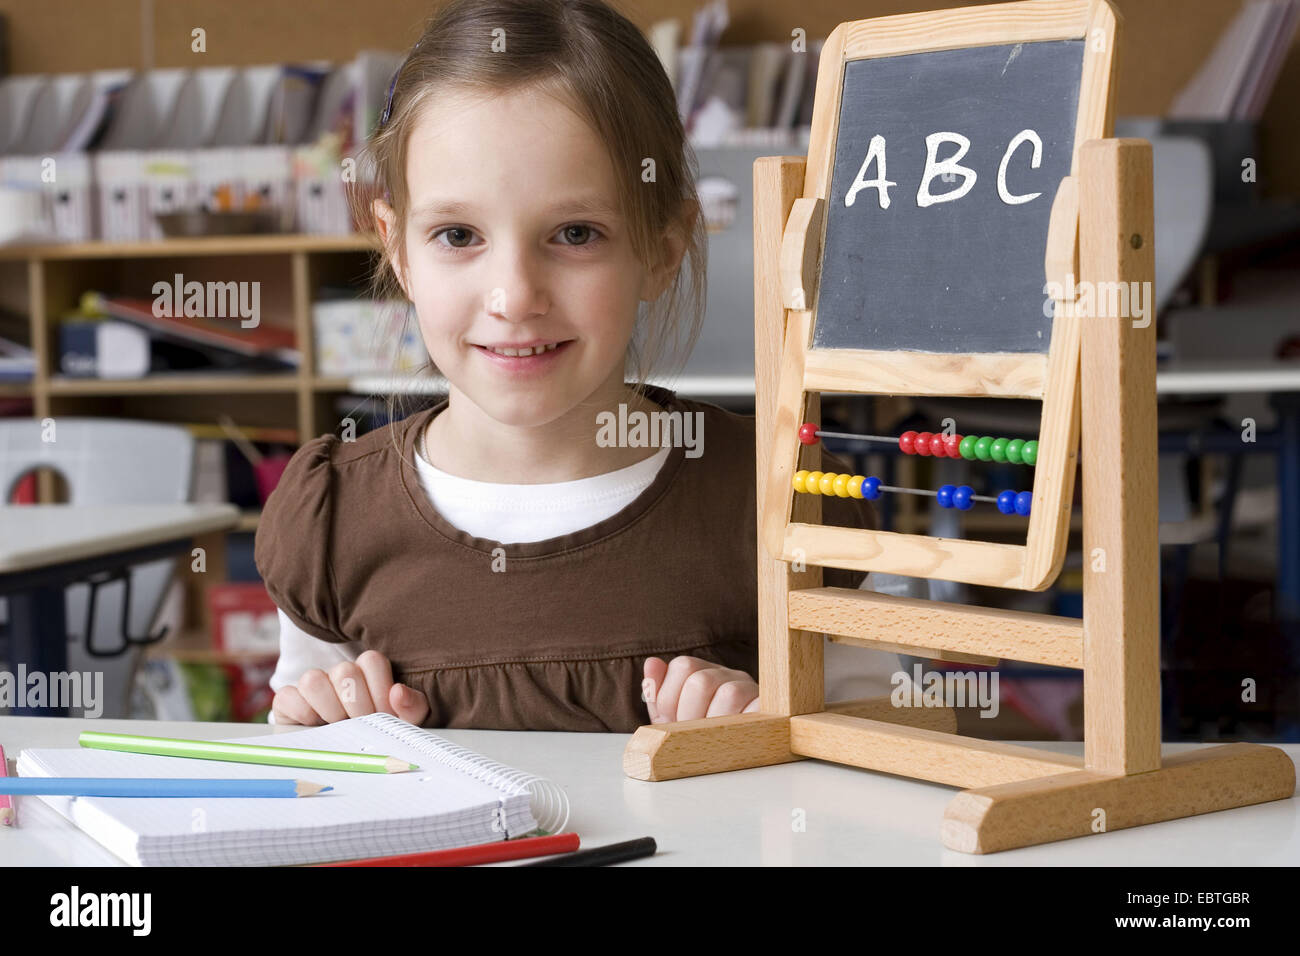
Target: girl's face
x,y
514,241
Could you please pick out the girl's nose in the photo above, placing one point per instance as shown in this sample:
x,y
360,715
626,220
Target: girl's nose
x,y
519,293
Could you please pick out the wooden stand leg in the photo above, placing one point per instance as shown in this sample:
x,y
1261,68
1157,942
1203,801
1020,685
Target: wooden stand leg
x,y
1085,802
689,748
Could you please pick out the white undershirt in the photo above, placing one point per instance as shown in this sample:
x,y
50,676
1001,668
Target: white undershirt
x,y
520,513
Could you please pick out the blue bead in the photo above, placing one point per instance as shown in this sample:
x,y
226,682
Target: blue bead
x,y
945,496
962,497
1007,502
871,489
1023,502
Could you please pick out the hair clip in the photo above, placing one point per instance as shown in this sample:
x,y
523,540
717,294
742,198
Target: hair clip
x,y
392,85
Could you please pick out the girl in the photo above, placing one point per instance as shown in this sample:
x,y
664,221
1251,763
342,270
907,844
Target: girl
x,y
502,560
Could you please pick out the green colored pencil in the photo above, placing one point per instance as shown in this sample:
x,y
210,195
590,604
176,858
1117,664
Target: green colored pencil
x,y
244,753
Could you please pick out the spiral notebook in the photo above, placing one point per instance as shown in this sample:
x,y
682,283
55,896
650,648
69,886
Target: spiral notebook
x,y
456,798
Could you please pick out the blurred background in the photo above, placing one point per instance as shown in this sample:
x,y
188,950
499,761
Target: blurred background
x,y
140,140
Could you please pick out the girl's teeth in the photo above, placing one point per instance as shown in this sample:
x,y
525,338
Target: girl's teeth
x,y
524,353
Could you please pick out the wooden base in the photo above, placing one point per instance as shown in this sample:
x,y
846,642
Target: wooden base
x,y
1023,812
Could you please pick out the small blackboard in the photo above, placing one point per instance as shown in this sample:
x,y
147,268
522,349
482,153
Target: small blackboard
x,y
962,275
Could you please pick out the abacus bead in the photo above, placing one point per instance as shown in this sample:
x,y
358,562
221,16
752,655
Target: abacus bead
x,y
939,445
808,433
923,443
1013,450
944,495
855,486
953,445
827,483
961,498
842,485
982,448
812,483
998,449
1024,502
1029,454
967,447
907,443
1007,502
799,476
871,489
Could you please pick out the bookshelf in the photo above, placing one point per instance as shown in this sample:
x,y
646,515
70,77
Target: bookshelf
x,y
290,269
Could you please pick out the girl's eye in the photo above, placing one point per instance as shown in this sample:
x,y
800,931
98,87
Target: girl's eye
x,y
454,229
581,230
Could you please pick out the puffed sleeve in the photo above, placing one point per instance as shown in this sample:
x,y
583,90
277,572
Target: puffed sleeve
x,y
293,546
844,513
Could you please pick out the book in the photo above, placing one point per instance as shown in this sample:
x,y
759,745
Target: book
x,y
456,798
262,341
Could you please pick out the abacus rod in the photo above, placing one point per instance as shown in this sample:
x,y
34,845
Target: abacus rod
x,y
933,494
853,436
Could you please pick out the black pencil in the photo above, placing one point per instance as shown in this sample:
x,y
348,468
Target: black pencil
x,y
603,855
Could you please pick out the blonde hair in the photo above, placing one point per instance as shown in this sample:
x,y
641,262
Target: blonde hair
x,y
599,63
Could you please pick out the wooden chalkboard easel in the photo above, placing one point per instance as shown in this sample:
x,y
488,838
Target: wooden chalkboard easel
x,y
1096,378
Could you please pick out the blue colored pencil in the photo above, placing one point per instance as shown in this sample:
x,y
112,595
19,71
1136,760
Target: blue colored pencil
x,y
159,787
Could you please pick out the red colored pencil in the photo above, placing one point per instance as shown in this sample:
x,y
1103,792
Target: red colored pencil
x,y
8,815
473,855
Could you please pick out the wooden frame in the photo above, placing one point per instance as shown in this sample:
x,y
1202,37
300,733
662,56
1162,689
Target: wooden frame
x,y
1099,376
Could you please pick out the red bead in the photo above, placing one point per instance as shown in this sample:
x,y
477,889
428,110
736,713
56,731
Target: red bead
x,y
952,445
808,433
907,443
923,443
939,445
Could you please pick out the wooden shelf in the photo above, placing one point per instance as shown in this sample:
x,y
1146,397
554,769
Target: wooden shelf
x,y
194,384
248,521
206,246
194,647
15,389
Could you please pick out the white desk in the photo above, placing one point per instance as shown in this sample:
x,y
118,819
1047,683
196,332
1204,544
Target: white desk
x,y
35,536
46,548
852,817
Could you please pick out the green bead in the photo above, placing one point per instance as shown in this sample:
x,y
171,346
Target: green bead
x,y
982,448
967,447
1029,454
998,449
1013,450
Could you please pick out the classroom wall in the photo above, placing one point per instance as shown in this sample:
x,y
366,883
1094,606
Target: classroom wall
x,y
1163,41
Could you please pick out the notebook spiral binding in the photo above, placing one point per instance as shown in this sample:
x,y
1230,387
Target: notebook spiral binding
x,y
548,802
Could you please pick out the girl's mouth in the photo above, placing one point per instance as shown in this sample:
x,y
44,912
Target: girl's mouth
x,y
527,359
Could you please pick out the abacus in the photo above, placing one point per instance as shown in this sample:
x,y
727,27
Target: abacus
x,y
1017,451
821,326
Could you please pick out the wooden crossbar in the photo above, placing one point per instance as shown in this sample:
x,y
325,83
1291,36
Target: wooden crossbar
x,y
923,626
924,754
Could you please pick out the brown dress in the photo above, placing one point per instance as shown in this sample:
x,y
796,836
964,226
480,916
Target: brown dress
x,y
543,635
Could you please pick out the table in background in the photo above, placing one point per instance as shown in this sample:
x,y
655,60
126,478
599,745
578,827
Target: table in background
x,y
46,548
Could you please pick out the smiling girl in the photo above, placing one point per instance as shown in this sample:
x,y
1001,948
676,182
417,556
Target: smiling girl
x,y
490,562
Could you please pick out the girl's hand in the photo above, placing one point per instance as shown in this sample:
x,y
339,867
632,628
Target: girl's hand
x,y
350,689
689,688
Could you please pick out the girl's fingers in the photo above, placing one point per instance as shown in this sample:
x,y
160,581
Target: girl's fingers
x,y
409,704
350,687
655,669
733,697
317,690
379,679
680,668
290,708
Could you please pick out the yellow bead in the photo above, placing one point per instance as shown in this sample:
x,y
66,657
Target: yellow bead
x,y
842,485
827,483
799,476
855,486
812,483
